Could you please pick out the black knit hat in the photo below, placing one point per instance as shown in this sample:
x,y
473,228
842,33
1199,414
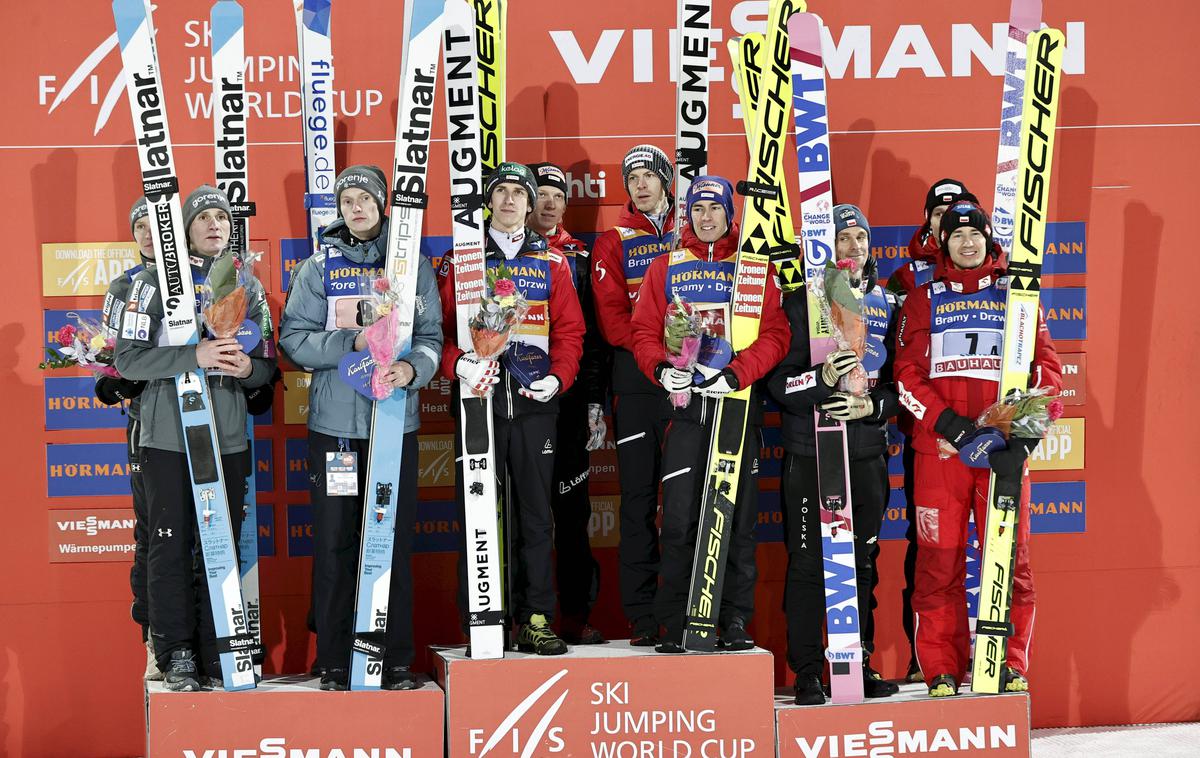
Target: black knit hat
x,y
368,178
965,213
942,192
550,175
514,173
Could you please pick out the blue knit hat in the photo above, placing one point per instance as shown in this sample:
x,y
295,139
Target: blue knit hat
x,y
846,216
714,188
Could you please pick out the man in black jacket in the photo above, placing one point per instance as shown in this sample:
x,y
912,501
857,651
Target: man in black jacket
x,y
799,386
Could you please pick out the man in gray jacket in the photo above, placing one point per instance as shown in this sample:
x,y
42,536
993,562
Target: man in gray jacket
x,y
322,322
142,355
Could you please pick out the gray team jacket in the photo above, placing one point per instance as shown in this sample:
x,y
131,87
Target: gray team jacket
x,y
159,364
308,340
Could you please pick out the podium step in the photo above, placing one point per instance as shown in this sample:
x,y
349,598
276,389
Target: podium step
x,y
609,701
290,715
909,723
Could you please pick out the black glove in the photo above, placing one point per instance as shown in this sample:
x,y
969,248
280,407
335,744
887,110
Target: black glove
x,y
111,390
953,427
1010,462
259,399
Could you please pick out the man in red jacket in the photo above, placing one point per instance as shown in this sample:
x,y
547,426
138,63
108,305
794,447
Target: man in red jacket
x,y
949,348
524,409
644,231
702,273
924,245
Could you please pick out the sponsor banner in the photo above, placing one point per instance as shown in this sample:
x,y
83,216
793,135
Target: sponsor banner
x,y
435,466
264,465
53,320
291,253
295,396
1063,447
299,531
71,404
609,701
895,443
908,724
434,402
1066,248
266,531
267,418
604,526
71,269
1065,312
291,716
770,517
889,247
434,247
91,535
604,461
1074,378
770,455
437,528
88,469
1058,508
296,459
895,519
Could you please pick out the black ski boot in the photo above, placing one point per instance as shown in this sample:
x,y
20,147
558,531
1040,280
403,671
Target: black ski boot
x,y
181,675
808,690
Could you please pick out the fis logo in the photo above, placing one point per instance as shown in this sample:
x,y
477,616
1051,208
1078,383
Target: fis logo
x,y
509,730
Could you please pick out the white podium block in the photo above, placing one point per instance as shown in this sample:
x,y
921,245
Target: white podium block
x,y
609,701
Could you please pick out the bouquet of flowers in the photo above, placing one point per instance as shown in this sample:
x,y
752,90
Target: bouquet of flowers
x,y
85,344
840,293
225,295
501,311
1021,414
682,334
383,333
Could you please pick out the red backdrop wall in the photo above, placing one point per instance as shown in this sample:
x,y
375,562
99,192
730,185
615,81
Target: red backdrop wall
x,y
1118,603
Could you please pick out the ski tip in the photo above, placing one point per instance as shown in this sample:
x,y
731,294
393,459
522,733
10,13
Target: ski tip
x,y
459,13
129,16
804,34
1025,15
316,15
424,14
226,20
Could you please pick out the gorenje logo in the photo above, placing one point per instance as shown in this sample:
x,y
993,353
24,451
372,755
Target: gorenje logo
x,y
883,740
277,747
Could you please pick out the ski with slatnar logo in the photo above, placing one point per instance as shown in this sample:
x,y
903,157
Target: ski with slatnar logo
x,y
694,23
232,152
810,113
993,626
760,235
313,40
414,122
485,595
135,34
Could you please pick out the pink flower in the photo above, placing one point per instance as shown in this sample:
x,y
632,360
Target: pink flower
x,y
504,288
382,285
66,335
847,264
237,263
1054,409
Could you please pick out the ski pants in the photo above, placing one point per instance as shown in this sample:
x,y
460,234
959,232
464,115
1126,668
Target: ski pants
x,y
910,548
525,450
140,610
946,492
685,455
640,423
177,590
576,571
337,539
804,585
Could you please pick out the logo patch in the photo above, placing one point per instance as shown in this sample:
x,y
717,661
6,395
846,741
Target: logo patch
x,y
804,381
135,326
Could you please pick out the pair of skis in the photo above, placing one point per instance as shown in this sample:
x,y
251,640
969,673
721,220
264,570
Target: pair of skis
x,y
236,643
315,48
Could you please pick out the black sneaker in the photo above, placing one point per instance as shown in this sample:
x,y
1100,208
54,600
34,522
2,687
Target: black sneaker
x,y
398,678
808,690
537,637
734,635
874,685
181,675
645,632
335,680
581,634
669,647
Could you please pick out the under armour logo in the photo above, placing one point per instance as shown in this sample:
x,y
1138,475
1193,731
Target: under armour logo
x,y
164,532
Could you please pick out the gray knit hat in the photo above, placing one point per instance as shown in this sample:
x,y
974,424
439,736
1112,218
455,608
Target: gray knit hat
x,y
651,157
203,198
140,208
370,179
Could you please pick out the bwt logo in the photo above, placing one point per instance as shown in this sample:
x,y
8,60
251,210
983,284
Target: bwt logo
x,y
508,730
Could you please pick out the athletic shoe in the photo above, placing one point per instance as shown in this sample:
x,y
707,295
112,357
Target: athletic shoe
x,y
808,690
335,680
584,634
874,685
1012,680
537,637
914,672
943,685
669,647
398,678
152,673
645,632
734,635
180,675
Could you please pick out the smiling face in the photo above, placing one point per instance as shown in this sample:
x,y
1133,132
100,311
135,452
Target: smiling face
x,y
967,247
143,237
854,243
509,204
361,212
645,189
549,209
209,232
709,220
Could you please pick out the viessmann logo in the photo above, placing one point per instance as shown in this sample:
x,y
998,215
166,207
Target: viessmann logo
x,y
883,740
277,747
507,736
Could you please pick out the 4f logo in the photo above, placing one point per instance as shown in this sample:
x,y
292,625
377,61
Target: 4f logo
x,y
523,743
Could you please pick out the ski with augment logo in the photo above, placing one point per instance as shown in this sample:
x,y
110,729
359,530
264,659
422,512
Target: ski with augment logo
x,y
760,235
694,43
232,153
135,34
414,121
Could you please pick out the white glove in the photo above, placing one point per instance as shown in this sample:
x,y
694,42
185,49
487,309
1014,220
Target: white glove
x,y
718,383
479,374
673,379
838,364
843,406
542,390
596,427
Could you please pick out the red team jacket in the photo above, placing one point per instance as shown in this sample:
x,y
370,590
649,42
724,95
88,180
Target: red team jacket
x,y
613,294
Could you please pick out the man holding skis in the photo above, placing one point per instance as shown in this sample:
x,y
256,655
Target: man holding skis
x,y
524,412
799,386
322,322
948,352
644,231
581,427
701,274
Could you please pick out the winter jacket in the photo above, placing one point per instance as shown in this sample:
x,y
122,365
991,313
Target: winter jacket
x,y
798,387
310,334
923,250
620,258
596,363
146,359
110,316
960,296
566,325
